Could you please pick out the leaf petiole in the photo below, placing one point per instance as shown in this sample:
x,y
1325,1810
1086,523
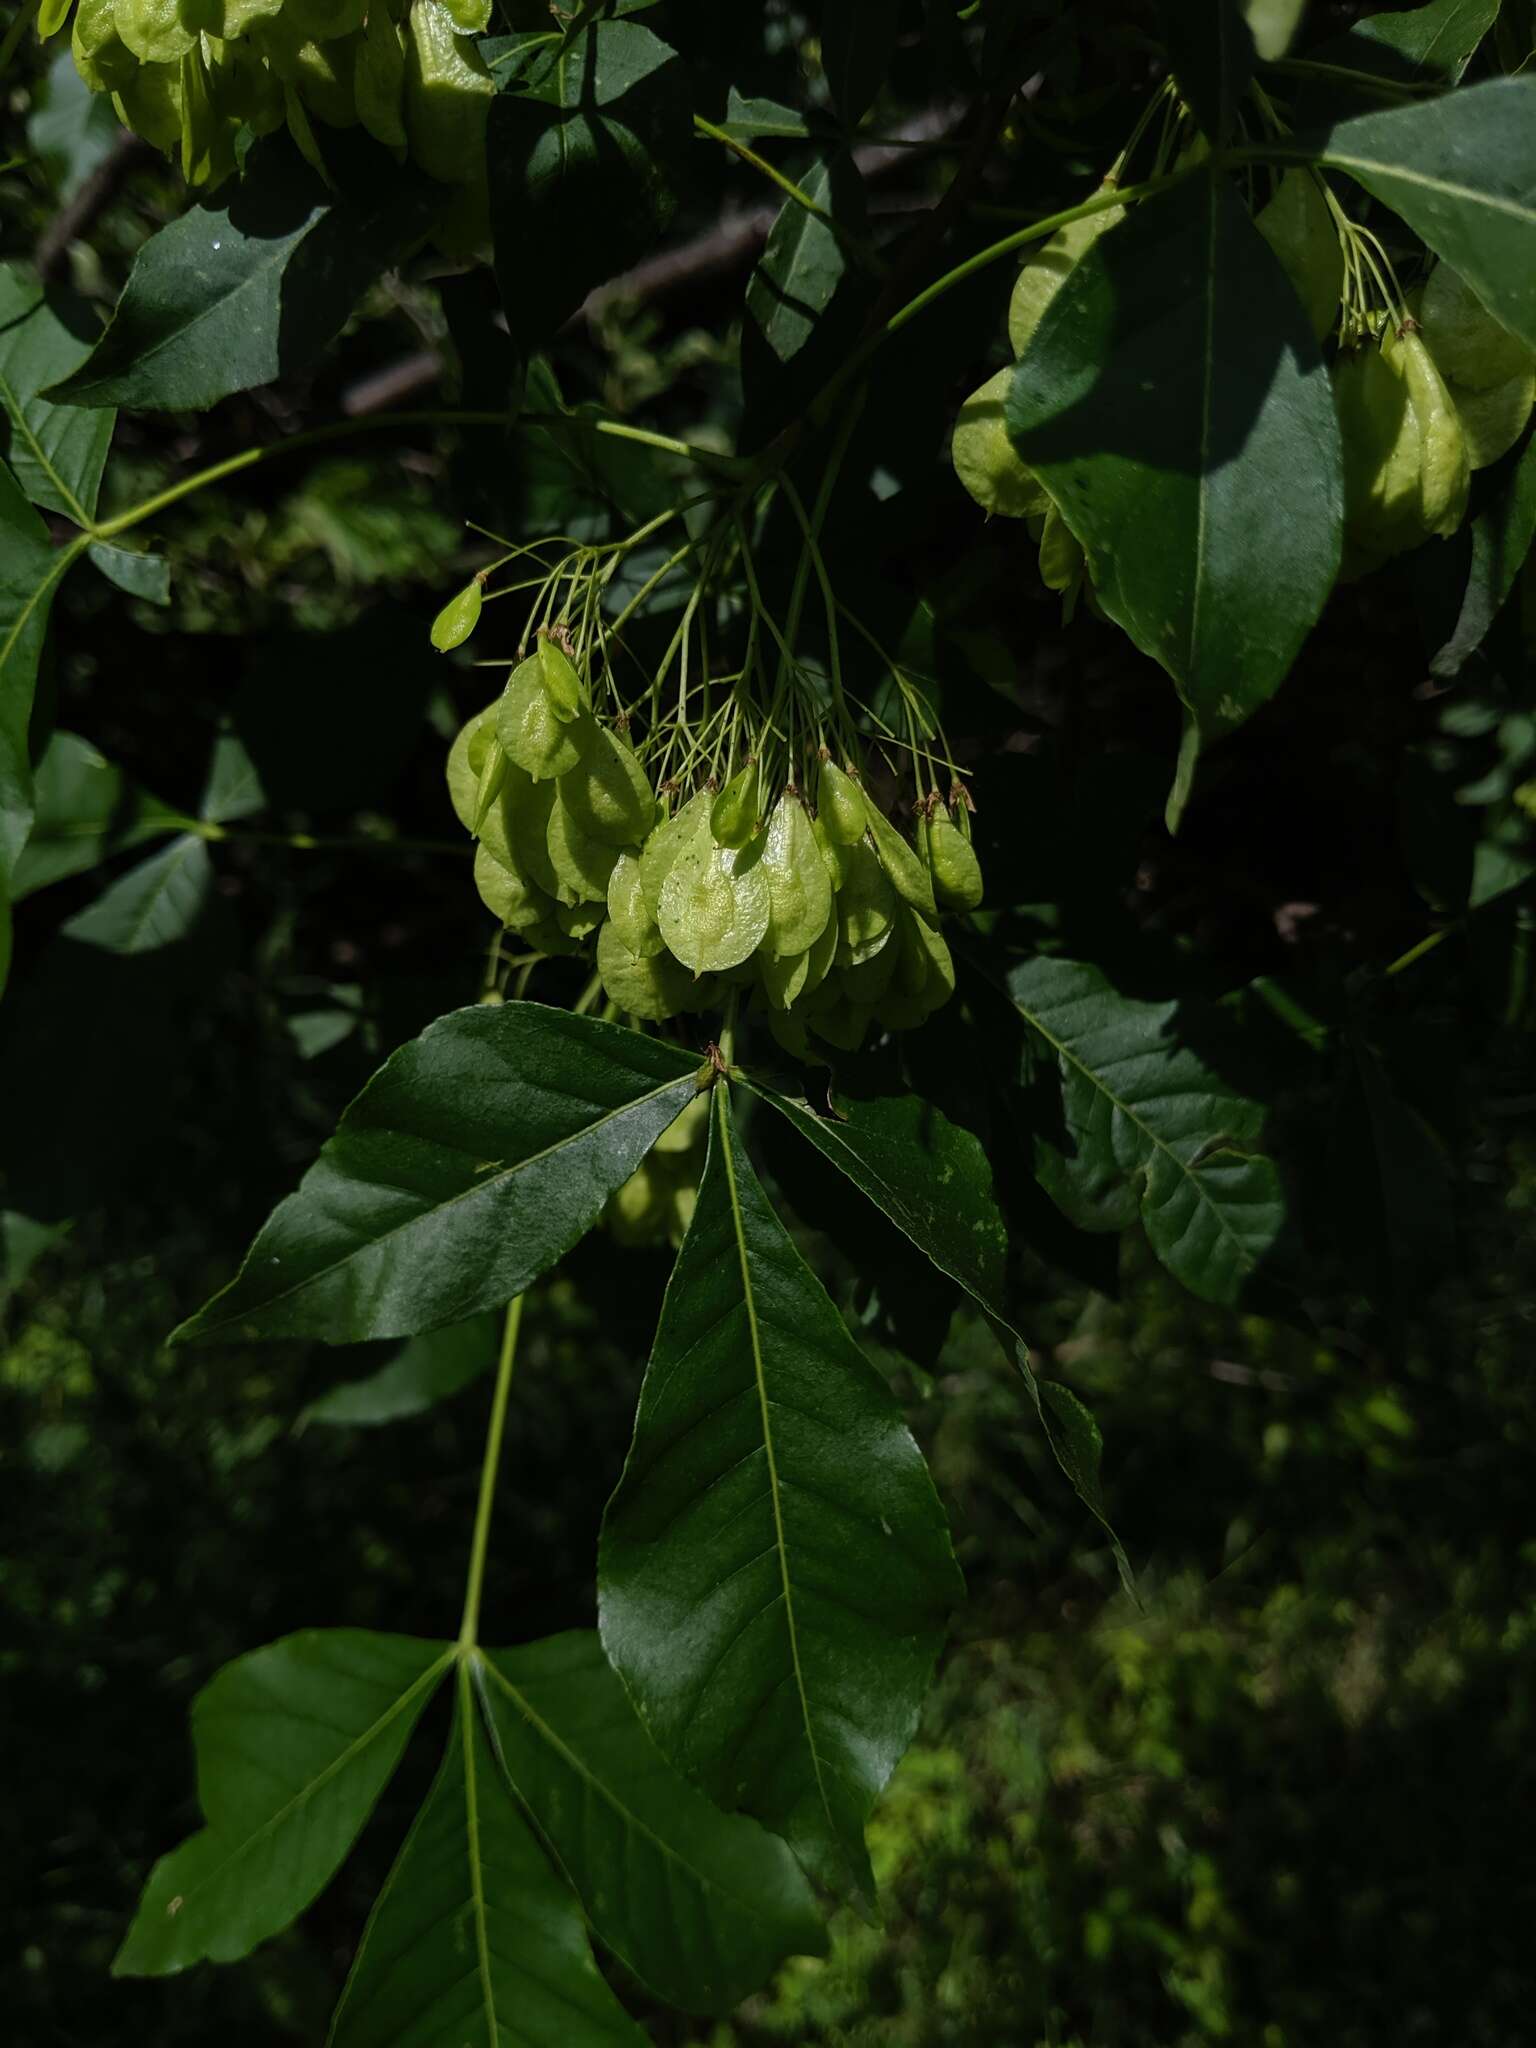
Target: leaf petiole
x,y
474,1583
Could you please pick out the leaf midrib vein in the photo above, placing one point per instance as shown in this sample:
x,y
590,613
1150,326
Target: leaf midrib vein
x,y
727,1151
472,1841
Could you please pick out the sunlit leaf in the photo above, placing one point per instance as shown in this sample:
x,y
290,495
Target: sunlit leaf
x,y
775,1568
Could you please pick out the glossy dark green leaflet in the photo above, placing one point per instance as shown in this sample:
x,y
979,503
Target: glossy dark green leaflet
x,y
702,1906
475,1157
931,1177
775,1568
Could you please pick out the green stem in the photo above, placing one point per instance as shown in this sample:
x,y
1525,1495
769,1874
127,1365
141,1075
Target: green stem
x,y
619,430
306,842
1414,953
762,165
728,1028
1363,81
315,437
469,1627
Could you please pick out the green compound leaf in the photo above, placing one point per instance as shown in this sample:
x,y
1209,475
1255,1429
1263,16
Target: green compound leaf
x,y
153,905
596,134
86,809
30,571
933,1180
1461,171
702,1906
1212,518
474,1940
1130,1120
249,286
57,452
474,1158
775,1569
294,1742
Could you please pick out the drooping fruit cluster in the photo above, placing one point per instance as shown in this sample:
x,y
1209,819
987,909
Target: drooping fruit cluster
x,y
1421,404
188,75
829,917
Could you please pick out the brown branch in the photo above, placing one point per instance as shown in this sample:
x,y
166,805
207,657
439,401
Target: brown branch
x,y
96,193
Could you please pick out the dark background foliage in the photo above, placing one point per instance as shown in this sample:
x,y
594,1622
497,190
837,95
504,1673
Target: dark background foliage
x,y
1285,1803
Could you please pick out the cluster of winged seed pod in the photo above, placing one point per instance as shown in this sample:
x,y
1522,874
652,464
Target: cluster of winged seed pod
x,y
655,1205
831,920
1299,227
985,460
189,75
1420,407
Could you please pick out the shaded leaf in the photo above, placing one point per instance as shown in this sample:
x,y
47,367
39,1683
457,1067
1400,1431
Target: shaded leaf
x,y
86,809
22,1243
1212,518
1502,534
1391,1180
57,452
30,571
233,789
1211,45
427,1370
775,1567
1461,171
134,570
858,40
154,904
294,1742
598,136
251,283
1130,1120
474,1940
751,120
474,1158
1439,38
702,1906
932,1178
